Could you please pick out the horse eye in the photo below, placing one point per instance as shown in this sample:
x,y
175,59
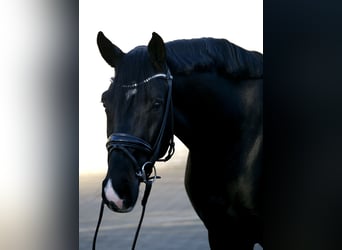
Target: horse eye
x,y
157,104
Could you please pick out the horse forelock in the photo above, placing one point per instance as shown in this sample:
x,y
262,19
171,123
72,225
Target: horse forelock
x,y
135,66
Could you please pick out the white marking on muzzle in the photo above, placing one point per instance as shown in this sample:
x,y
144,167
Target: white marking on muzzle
x,y
111,195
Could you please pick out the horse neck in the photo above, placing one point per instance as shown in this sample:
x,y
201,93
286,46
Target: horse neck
x,y
208,107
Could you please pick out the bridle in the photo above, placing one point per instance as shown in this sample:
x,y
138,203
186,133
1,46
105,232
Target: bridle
x,y
123,142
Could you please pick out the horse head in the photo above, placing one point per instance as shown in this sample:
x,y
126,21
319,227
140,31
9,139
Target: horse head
x,y
139,118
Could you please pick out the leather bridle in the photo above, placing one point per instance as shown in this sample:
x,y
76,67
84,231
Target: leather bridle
x,y
123,142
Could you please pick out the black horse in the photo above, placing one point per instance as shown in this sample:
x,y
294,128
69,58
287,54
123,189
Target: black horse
x,y
215,109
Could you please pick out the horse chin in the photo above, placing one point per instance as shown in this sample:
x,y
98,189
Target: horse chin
x,y
114,208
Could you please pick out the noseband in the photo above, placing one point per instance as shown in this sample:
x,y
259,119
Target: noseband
x,y
123,142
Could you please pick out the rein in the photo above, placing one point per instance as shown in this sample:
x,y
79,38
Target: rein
x,y
122,141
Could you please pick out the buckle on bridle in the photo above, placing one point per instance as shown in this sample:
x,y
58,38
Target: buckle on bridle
x,y
143,176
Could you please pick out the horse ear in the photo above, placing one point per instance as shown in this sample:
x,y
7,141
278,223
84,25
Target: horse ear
x,y
156,49
110,53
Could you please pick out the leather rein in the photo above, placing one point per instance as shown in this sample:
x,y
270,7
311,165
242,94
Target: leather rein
x,y
123,141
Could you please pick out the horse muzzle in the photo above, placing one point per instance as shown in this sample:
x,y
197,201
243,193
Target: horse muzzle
x,y
114,201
